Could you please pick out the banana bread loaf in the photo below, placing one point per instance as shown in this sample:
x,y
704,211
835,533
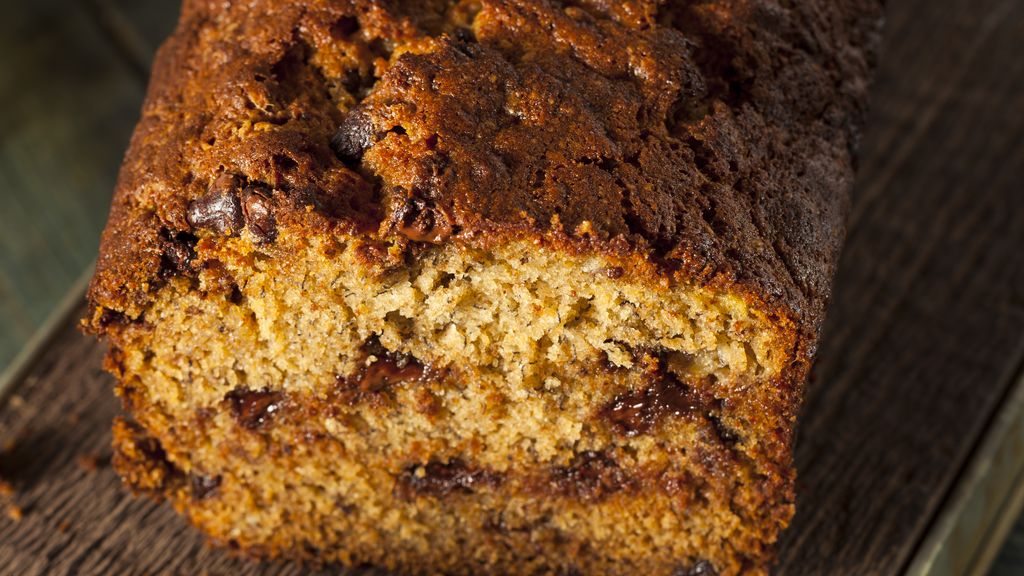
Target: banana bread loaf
x,y
482,287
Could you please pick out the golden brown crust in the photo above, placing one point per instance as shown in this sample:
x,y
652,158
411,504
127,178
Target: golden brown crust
x,y
711,137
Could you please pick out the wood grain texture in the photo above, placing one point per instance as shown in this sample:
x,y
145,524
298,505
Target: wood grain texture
x,y
72,77
68,105
925,334
928,317
1011,560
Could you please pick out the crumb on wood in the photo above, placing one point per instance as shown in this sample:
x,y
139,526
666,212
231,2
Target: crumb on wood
x,y
92,462
88,463
6,489
64,526
14,512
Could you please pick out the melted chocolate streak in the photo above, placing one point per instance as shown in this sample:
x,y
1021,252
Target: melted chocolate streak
x,y
637,411
253,409
441,479
388,368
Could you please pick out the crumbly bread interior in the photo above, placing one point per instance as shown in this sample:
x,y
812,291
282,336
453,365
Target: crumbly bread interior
x,y
518,409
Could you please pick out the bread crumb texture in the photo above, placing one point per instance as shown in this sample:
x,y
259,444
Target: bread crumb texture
x,y
482,287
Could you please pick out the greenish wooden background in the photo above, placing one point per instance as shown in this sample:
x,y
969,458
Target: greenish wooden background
x,y
71,83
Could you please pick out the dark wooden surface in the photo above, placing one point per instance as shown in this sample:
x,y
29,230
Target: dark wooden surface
x,y
926,332
68,102
925,335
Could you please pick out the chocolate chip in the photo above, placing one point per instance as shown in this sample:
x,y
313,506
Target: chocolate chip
x,y
637,411
385,372
258,210
204,486
590,476
353,137
219,210
179,256
178,253
698,568
253,409
420,222
441,479
372,380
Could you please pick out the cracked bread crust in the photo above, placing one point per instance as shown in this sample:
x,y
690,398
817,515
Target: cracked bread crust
x,y
711,138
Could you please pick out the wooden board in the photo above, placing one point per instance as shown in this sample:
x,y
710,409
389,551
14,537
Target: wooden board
x,y
922,351
68,102
926,333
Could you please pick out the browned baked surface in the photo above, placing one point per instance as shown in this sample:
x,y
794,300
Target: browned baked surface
x,y
731,122
700,149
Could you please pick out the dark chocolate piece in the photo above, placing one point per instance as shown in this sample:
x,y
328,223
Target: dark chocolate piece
x,y
258,210
253,409
219,210
420,222
441,479
178,253
353,137
372,382
637,411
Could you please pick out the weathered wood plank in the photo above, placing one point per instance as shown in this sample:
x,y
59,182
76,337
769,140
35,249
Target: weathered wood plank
x,y
69,105
929,307
926,56
1011,560
71,84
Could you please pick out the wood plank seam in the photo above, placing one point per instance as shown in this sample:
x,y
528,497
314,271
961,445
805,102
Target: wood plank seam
x,y
37,344
953,501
